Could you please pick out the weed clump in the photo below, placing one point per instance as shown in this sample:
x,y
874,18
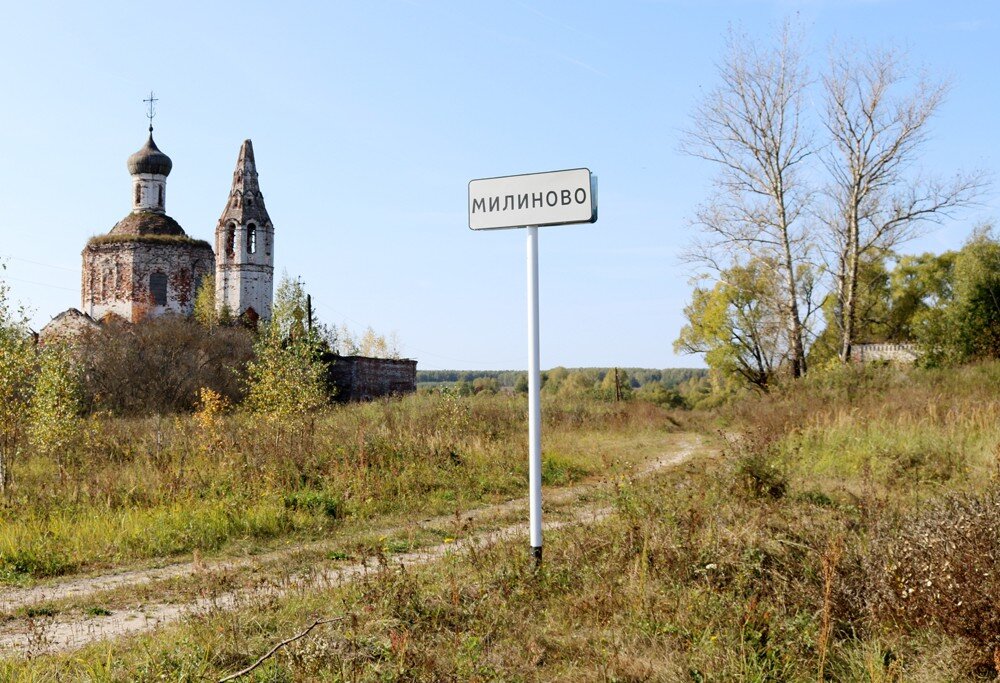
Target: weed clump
x,y
756,468
315,501
939,569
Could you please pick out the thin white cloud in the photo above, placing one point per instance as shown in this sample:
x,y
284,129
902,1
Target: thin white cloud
x,y
967,26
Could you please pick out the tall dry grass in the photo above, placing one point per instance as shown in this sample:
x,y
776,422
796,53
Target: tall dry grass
x,y
133,489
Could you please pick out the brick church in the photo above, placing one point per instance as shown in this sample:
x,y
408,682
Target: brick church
x,y
147,265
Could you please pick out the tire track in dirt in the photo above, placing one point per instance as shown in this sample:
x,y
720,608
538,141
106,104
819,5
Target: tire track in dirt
x,y
32,636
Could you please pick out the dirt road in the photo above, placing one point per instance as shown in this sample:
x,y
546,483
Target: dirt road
x,y
43,634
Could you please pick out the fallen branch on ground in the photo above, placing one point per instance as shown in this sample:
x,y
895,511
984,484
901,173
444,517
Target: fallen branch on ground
x,y
264,658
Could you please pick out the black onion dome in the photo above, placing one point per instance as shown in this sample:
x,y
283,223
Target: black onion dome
x,y
150,159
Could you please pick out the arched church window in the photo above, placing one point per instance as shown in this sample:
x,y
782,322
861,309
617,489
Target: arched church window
x,y
161,197
251,239
158,289
231,240
138,193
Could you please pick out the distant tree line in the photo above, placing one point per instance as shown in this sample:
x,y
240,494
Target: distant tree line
x,y
669,377
660,386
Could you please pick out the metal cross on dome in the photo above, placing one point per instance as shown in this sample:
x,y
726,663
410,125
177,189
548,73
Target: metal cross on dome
x,y
151,109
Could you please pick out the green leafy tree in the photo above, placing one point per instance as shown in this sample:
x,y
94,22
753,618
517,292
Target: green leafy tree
x,y
892,305
872,301
289,311
485,385
521,383
54,410
615,384
967,327
656,393
577,383
918,286
738,324
287,377
205,311
553,379
17,359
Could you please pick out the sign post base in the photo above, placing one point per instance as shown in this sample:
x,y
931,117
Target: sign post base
x,y
536,554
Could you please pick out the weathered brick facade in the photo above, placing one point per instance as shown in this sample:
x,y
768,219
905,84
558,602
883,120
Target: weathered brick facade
x,y
359,378
146,265
143,277
244,245
893,353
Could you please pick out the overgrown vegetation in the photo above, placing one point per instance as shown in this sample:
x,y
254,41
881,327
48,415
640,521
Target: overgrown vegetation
x,y
97,240
846,532
127,489
158,367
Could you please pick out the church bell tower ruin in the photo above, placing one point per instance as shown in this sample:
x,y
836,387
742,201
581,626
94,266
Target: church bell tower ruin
x,y
244,246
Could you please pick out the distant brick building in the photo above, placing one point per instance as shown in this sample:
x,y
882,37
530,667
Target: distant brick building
x,y
359,378
892,353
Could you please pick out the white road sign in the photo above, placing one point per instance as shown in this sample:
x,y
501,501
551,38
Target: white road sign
x,y
529,201
553,198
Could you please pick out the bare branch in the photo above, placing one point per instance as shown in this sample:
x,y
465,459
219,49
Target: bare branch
x,y
749,127
270,653
877,123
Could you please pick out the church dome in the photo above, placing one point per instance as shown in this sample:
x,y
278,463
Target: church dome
x,y
149,159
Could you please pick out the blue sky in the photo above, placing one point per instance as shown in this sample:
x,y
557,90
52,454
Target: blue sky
x,y
369,118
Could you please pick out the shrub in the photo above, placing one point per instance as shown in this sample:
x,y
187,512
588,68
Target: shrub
x,y
53,412
16,365
939,569
316,501
756,470
760,476
287,378
158,366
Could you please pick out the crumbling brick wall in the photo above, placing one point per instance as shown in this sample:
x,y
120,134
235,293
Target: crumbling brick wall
x,y
893,353
117,275
359,378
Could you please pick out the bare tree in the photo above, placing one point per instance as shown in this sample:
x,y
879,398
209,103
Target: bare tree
x,y
750,127
877,123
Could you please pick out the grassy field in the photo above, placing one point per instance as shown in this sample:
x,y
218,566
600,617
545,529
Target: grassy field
x,y
135,491
845,530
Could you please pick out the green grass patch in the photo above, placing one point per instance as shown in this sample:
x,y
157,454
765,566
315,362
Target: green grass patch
x,y
135,489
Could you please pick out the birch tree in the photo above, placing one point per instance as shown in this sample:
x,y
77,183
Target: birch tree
x,y
877,118
750,127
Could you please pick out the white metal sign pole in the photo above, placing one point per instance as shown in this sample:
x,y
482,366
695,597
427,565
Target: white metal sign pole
x,y
534,401
530,200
